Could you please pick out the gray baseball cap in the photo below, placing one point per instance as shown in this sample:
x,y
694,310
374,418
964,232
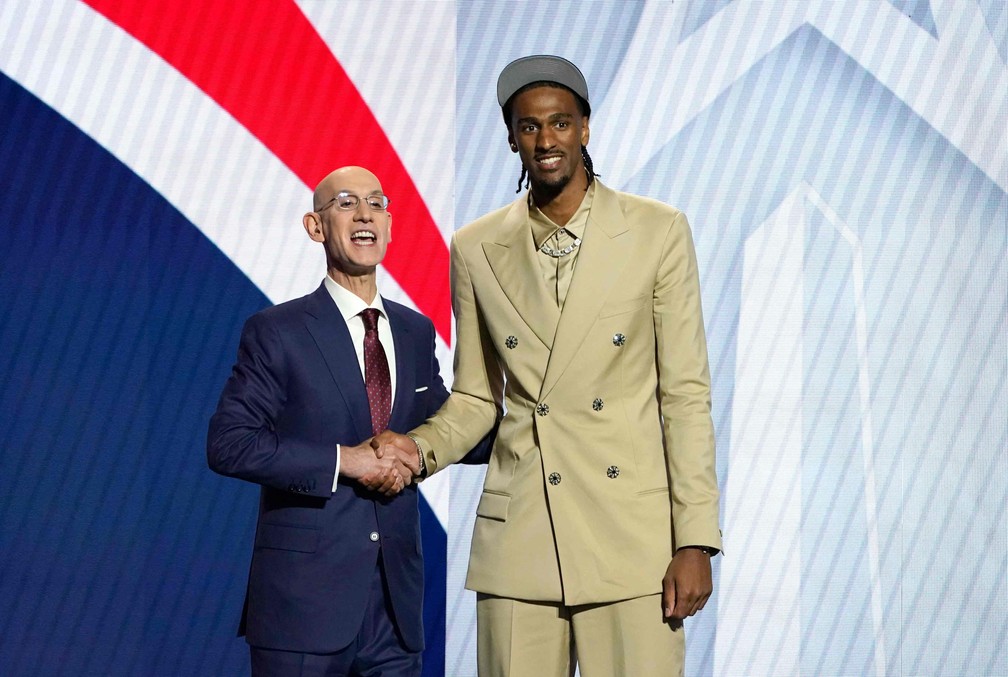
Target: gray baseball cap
x,y
537,68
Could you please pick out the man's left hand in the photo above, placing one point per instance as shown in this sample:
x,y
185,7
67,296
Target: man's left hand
x,y
687,584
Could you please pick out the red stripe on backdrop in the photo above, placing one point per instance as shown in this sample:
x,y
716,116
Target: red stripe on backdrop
x,y
266,65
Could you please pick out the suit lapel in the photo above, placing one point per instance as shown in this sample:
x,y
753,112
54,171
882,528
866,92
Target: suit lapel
x,y
329,330
600,262
405,390
513,261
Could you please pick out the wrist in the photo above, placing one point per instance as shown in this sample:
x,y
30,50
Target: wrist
x,y
350,462
422,471
702,548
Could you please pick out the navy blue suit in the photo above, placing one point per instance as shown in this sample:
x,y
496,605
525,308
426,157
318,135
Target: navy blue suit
x,y
294,394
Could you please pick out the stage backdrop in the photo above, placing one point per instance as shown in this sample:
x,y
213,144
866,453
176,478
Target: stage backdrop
x,y
844,165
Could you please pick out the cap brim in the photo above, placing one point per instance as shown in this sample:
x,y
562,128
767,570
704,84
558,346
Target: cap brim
x,y
539,68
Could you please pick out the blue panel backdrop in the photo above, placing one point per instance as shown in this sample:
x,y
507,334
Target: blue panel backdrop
x,y
119,326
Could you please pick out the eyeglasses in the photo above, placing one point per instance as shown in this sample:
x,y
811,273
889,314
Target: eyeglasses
x,y
348,202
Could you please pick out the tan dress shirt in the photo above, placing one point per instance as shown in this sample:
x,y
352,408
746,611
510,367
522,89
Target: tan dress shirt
x,y
558,271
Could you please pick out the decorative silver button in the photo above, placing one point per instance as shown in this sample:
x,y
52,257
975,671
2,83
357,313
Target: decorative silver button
x,y
618,340
597,404
542,408
373,536
511,342
612,472
554,478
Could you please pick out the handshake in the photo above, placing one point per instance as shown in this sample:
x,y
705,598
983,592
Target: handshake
x,y
386,463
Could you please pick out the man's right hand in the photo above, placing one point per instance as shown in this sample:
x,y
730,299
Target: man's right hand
x,y
386,475
388,444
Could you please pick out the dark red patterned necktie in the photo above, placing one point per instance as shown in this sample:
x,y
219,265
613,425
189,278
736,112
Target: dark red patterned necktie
x,y
376,373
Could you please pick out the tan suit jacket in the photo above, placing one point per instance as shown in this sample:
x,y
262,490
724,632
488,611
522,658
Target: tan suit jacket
x,y
604,459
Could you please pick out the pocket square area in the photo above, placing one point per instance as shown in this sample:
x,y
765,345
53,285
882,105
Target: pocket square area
x,y
421,389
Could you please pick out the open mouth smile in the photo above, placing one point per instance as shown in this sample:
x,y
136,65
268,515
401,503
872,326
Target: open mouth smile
x,y
549,161
363,237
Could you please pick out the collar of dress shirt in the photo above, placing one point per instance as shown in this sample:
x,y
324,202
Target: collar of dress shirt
x,y
350,304
543,228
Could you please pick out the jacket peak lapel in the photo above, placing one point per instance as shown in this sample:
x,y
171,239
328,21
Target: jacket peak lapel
x,y
405,376
330,333
513,261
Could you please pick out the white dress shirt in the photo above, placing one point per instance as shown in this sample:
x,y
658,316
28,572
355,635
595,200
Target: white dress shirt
x,y
350,306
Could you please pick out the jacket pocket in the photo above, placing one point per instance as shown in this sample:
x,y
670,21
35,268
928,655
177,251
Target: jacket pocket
x,y
284,537
493,506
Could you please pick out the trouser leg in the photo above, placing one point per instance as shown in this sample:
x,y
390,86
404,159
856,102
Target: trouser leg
x,y
515,638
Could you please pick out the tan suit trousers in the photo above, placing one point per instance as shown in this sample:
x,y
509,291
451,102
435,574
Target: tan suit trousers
x,y
630,638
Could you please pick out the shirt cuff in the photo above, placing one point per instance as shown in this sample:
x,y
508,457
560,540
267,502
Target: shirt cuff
x,y
335,479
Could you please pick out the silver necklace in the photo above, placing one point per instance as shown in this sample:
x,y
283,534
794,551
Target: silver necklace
x,y
557,253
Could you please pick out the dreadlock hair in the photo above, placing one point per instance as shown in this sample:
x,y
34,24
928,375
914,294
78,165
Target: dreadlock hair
x,y
583,107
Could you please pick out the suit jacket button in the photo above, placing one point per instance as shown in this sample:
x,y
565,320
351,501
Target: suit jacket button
x,y
597,404
618,340
511,342
612,472
542,408
374,536
554,478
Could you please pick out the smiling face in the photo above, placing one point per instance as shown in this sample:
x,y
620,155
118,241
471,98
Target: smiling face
x,y
548,129
355,239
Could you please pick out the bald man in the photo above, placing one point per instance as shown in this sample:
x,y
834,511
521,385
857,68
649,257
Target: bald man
x,y
336,581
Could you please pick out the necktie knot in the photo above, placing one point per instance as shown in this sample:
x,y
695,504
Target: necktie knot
x,y
370,318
